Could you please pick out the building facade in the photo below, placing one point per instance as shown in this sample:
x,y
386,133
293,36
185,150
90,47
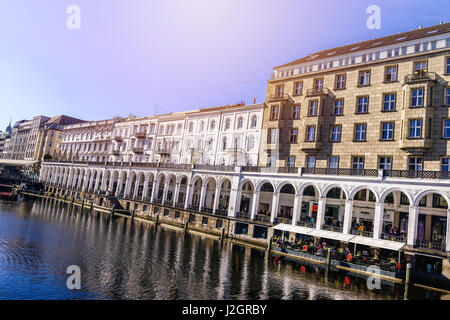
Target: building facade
x,y
379,104
352,141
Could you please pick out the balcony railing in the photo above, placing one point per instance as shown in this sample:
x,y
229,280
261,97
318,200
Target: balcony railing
x,y
397,238
138,149
118,137
430,245
332,228
140,134
368,234
421,76
341,171
417,174
279,96
318,91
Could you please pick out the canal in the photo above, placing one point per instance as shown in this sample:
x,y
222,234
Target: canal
x,y
120,259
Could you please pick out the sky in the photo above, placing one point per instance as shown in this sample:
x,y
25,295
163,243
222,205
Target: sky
x,y
149,57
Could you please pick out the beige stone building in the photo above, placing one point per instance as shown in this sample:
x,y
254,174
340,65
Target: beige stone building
x,y
378,104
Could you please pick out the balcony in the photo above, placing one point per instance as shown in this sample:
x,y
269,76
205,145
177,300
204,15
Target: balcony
x,y
279,97
419,77
140,134
439,175
138,149
419,144
118,137
165,151
311,145
115,152
318,92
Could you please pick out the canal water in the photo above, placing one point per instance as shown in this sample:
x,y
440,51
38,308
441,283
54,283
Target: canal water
x,y
120,259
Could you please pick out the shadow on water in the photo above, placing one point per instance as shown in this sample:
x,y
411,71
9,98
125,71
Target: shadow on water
x,y
120,259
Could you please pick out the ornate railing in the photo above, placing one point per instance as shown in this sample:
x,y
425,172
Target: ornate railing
x,y
397,238
318,91
341,171
368,234
332,228
416,174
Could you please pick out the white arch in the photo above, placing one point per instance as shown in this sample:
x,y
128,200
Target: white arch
x,y
332,186
359,188
385,193
430,191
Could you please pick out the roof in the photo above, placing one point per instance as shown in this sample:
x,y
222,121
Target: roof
x,y
63,120
375,43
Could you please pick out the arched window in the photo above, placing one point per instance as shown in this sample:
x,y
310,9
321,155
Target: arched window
x,y
251,143
254,121
191,127
213,125
227,124
240,122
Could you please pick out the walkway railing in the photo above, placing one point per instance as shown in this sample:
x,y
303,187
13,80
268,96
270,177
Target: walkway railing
x,y
398,238
430,245
417,174
362,233
332,228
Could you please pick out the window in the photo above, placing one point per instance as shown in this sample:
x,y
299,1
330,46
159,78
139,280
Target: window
x,y
340,82
290,163
213,125
358,162
310,162
224,143
333,162
293,135
191,127
360,132
240,122
313,106
445,164
446,133
420,69
274,113
279,91
339,107
296,111
318,85
298,88
387,131
254,121
415,163
310,133
227,124
389,102
417,97
390,74
385,163
336,133
447,96
272,136
363,105
251,143
447,67
364,78
415,128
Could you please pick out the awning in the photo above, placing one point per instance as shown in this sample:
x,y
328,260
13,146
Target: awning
x,y
385,244
331,235
291,228
18,162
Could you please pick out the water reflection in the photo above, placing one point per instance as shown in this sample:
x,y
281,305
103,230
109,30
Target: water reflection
x,y
124,260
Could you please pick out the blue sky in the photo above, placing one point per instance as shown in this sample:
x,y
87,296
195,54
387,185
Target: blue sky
x,y
138,56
